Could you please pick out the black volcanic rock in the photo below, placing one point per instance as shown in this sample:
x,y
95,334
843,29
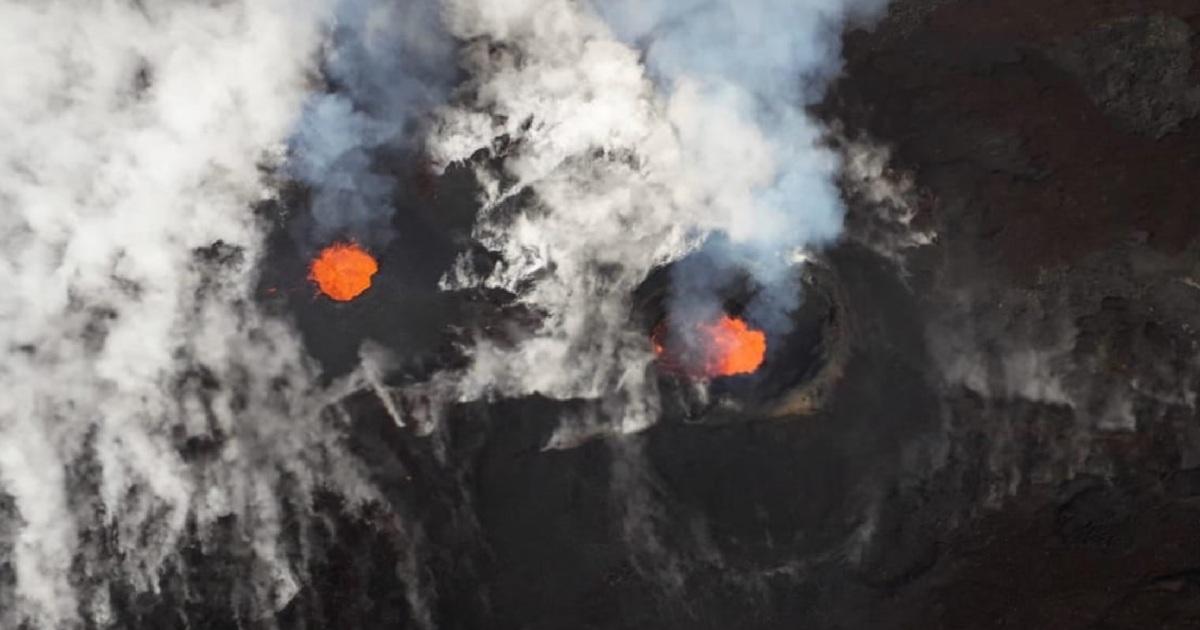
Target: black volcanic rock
x,y
1137,69
1011,440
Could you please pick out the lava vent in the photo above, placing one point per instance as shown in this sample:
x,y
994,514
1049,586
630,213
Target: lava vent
x,y
728,368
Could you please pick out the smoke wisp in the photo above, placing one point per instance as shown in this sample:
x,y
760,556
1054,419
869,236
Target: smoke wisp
x,y
146,392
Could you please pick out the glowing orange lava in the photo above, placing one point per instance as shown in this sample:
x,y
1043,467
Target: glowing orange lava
x,y
725,347
733,347
343,271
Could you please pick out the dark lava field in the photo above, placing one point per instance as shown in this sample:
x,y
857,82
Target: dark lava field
x,y
990,418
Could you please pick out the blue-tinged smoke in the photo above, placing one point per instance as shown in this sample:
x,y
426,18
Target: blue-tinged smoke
x,y
387,63
763,62
627,135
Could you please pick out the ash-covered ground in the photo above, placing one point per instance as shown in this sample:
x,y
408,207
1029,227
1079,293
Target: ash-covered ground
x,y
992,421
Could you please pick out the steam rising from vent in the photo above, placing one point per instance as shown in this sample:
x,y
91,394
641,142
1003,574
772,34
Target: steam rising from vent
x,y
608,167
143,392
755,63
386,64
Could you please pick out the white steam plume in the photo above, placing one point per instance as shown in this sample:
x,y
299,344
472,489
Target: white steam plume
x,y
759,62
130,140
131,137
613,162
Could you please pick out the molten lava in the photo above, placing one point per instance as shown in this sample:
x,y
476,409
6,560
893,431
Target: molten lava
x,y
734,347
725,347
343,271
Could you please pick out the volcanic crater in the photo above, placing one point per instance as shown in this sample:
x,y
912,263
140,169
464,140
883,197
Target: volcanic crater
x,y
800,362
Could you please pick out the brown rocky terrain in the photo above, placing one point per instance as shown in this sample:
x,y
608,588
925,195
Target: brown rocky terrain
x,y
1056,150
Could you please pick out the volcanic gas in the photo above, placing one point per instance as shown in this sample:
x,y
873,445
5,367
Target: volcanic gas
x,y
343,271
727,346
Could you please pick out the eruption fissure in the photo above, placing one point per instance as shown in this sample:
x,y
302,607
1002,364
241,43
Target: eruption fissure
x,y
682,123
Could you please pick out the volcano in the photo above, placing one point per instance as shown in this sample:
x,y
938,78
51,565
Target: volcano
x,y
980,412
726,369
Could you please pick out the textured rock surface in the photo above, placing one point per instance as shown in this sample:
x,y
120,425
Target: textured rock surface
x,y
1013,442
1057,148
1137,69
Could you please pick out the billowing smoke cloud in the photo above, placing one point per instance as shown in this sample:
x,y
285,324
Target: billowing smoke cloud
x,y
630,134
142,390
758,62
386,64
580,118
145,392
